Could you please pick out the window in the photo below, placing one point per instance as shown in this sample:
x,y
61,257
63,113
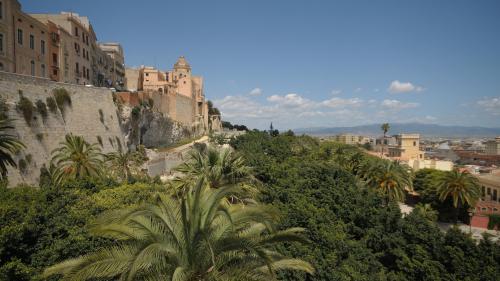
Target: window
x,y
77,69
414,143
42,47
20,36
83,71
43,70
54,58
1,66
1,41
88,74
1,10
32,42
76,31
32,68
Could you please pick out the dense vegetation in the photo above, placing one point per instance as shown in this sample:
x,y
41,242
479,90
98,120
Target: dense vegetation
x,y
100,212
355,235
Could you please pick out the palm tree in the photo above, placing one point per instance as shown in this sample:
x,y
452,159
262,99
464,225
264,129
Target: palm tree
x,y
198,238
9,145
426,211
390,178
77,159
385,128
461,186
125,164
217,167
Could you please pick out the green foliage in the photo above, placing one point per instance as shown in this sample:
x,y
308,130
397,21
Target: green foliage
x,y
26,107
136,111
43,226
51,104
494,221
197,237
23,166
62,98
211,109
355,234
42,108
9,145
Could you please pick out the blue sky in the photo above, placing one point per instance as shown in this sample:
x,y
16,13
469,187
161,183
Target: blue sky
x,y
318,63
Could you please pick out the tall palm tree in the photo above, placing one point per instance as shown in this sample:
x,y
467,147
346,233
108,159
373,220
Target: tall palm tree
x,y
217,167
125,164
385,128
461,186
77,159
390,178
9,145
198,238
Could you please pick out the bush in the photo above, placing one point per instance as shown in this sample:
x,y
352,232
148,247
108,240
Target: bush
x,y
51,103
62,98
494,221
26,107
136,111
42,108
101,116
23,166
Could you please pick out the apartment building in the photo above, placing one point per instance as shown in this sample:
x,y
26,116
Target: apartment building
x,y
117,64
23,41
493,147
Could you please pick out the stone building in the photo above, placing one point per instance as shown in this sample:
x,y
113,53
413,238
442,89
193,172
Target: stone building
x,y
117,64
23,41
176,93
408,147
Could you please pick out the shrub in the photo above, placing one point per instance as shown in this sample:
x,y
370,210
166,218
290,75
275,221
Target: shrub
x,y
101,116
494,221
42,108
62,98
39,137
29,158
136,111
51,103
27,108
99,140
23,166
4,108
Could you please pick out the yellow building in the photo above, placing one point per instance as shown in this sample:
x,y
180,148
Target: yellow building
x,y
408,147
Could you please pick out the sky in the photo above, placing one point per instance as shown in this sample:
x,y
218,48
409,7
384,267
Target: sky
x,y
317,63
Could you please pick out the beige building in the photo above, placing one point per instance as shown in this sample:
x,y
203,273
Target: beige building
x,y
442,165
408,147
23,41
351,139
177,92
493,147
490,187
116,71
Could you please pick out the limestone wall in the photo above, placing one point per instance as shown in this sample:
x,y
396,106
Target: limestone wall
x,y
184,109
43,136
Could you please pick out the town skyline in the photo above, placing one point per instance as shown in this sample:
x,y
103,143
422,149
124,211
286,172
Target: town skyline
x,y
327,64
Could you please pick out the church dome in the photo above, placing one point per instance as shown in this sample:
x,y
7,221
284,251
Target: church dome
x,y
182,63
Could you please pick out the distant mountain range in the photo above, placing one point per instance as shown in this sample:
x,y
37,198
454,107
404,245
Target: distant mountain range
x,y
425,130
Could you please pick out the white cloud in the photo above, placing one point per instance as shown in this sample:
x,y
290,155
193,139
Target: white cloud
x,y
397,105
339,102
336,92
397,87
291,101
357,90
491,105
255,92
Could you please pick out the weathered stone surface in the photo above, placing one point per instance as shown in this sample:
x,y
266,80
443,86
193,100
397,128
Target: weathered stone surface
x,y
44,135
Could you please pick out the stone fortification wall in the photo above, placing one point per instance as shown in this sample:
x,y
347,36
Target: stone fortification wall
x,y
184,109
92,114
